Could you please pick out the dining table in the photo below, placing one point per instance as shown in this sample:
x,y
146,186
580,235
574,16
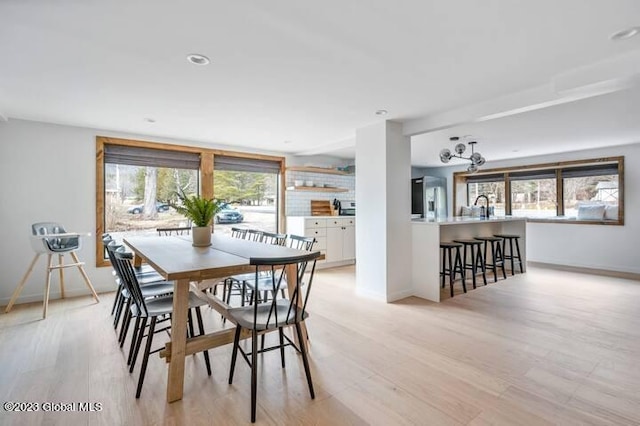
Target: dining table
x,y
195,268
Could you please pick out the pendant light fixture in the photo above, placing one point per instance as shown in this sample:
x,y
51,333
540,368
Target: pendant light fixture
x,y
476,158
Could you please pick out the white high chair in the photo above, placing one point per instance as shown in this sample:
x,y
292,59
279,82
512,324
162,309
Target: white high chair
x,y
51,238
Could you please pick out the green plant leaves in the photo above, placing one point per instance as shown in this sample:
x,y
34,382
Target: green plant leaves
x,y
198,210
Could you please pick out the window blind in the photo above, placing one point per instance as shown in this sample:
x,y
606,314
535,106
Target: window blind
x,y
499,177
594,170
533,175
136,156
240,164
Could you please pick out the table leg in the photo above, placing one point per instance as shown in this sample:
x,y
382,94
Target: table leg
x,y
291,271
175,381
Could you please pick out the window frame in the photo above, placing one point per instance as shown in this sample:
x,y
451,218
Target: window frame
x,y
460,190
206,178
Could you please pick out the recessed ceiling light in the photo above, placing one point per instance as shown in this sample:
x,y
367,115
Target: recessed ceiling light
x,y
287,142
381,112
625,34
150,120
198,59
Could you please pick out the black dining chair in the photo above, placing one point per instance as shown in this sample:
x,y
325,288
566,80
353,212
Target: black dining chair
x,y
276,315
154,309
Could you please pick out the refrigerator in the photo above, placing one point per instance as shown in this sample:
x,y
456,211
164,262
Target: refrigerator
x,y
429,197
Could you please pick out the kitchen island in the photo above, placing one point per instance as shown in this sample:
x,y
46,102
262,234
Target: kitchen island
x,y
428,233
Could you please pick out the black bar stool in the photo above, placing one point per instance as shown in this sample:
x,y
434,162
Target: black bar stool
x,y
514,258
451,265
497,261
475,250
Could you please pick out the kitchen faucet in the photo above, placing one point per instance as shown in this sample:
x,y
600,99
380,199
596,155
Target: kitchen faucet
x,y
487,208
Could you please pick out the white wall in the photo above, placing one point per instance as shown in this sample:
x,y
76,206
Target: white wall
x,y
383,198
613,248
47,173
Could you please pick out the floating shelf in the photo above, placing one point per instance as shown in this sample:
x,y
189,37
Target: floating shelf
x,y
318,170
315,189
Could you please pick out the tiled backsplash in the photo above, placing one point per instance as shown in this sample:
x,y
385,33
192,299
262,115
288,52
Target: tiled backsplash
x,y
299,202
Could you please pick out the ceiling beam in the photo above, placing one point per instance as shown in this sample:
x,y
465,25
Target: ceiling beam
x,y
612,75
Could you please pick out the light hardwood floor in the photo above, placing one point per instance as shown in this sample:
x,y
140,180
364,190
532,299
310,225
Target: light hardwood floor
x,y
546,347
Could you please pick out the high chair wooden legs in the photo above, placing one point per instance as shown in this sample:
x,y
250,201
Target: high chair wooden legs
x,y
61,266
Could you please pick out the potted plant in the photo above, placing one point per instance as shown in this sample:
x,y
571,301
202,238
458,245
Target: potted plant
x,y
200,211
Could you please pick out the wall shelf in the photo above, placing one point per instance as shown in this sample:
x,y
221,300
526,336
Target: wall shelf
x,y
315,189
318,170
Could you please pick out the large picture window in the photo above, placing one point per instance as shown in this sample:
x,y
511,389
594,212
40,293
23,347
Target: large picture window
x,y
533,194
251,187
140,184
583,191
137,181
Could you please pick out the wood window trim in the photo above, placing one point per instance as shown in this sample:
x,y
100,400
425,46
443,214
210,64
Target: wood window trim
x,y
206,177
460,178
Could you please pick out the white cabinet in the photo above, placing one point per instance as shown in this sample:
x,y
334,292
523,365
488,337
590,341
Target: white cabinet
x,y
335,236
341,239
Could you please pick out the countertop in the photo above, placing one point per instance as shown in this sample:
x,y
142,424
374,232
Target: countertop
x,y
459,220
325,217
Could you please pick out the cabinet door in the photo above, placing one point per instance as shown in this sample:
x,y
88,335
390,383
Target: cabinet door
x,y
334,244
349,243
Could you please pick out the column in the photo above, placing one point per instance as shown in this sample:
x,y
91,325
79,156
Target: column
x,y
383,223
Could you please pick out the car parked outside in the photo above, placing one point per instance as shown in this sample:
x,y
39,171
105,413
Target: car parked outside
x,y
228,215
160,208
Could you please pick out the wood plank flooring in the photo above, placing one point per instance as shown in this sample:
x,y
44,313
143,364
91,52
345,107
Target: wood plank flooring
x,y
545,347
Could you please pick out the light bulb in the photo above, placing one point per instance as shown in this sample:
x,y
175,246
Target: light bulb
x,y
460,148
445,155
472,168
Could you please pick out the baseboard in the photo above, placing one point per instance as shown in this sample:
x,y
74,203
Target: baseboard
x,y
583,270
399,295
31,298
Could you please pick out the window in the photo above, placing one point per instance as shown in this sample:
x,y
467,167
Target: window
x,y
490,185
139,185
533,194
582,191
250,187
136,181
591,186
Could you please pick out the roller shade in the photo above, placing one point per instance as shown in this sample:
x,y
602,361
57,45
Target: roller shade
x,y
486,178
136,156
533,175
595,170
239,164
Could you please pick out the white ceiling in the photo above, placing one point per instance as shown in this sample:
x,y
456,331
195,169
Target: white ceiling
x,y
285,70
606,120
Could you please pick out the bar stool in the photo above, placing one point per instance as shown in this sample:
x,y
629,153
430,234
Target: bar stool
x,y
497,261
475,249
451,265
514,258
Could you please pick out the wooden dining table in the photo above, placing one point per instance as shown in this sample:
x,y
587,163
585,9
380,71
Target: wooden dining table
x,y
177,260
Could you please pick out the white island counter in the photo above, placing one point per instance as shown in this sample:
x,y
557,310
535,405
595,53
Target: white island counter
x,y
428,233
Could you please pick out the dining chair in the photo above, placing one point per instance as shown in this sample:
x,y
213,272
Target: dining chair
x,y
145,275
235,284
150,289
52,239
274,239
253,235
276,315
263,285
239,232
156,310
179,230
